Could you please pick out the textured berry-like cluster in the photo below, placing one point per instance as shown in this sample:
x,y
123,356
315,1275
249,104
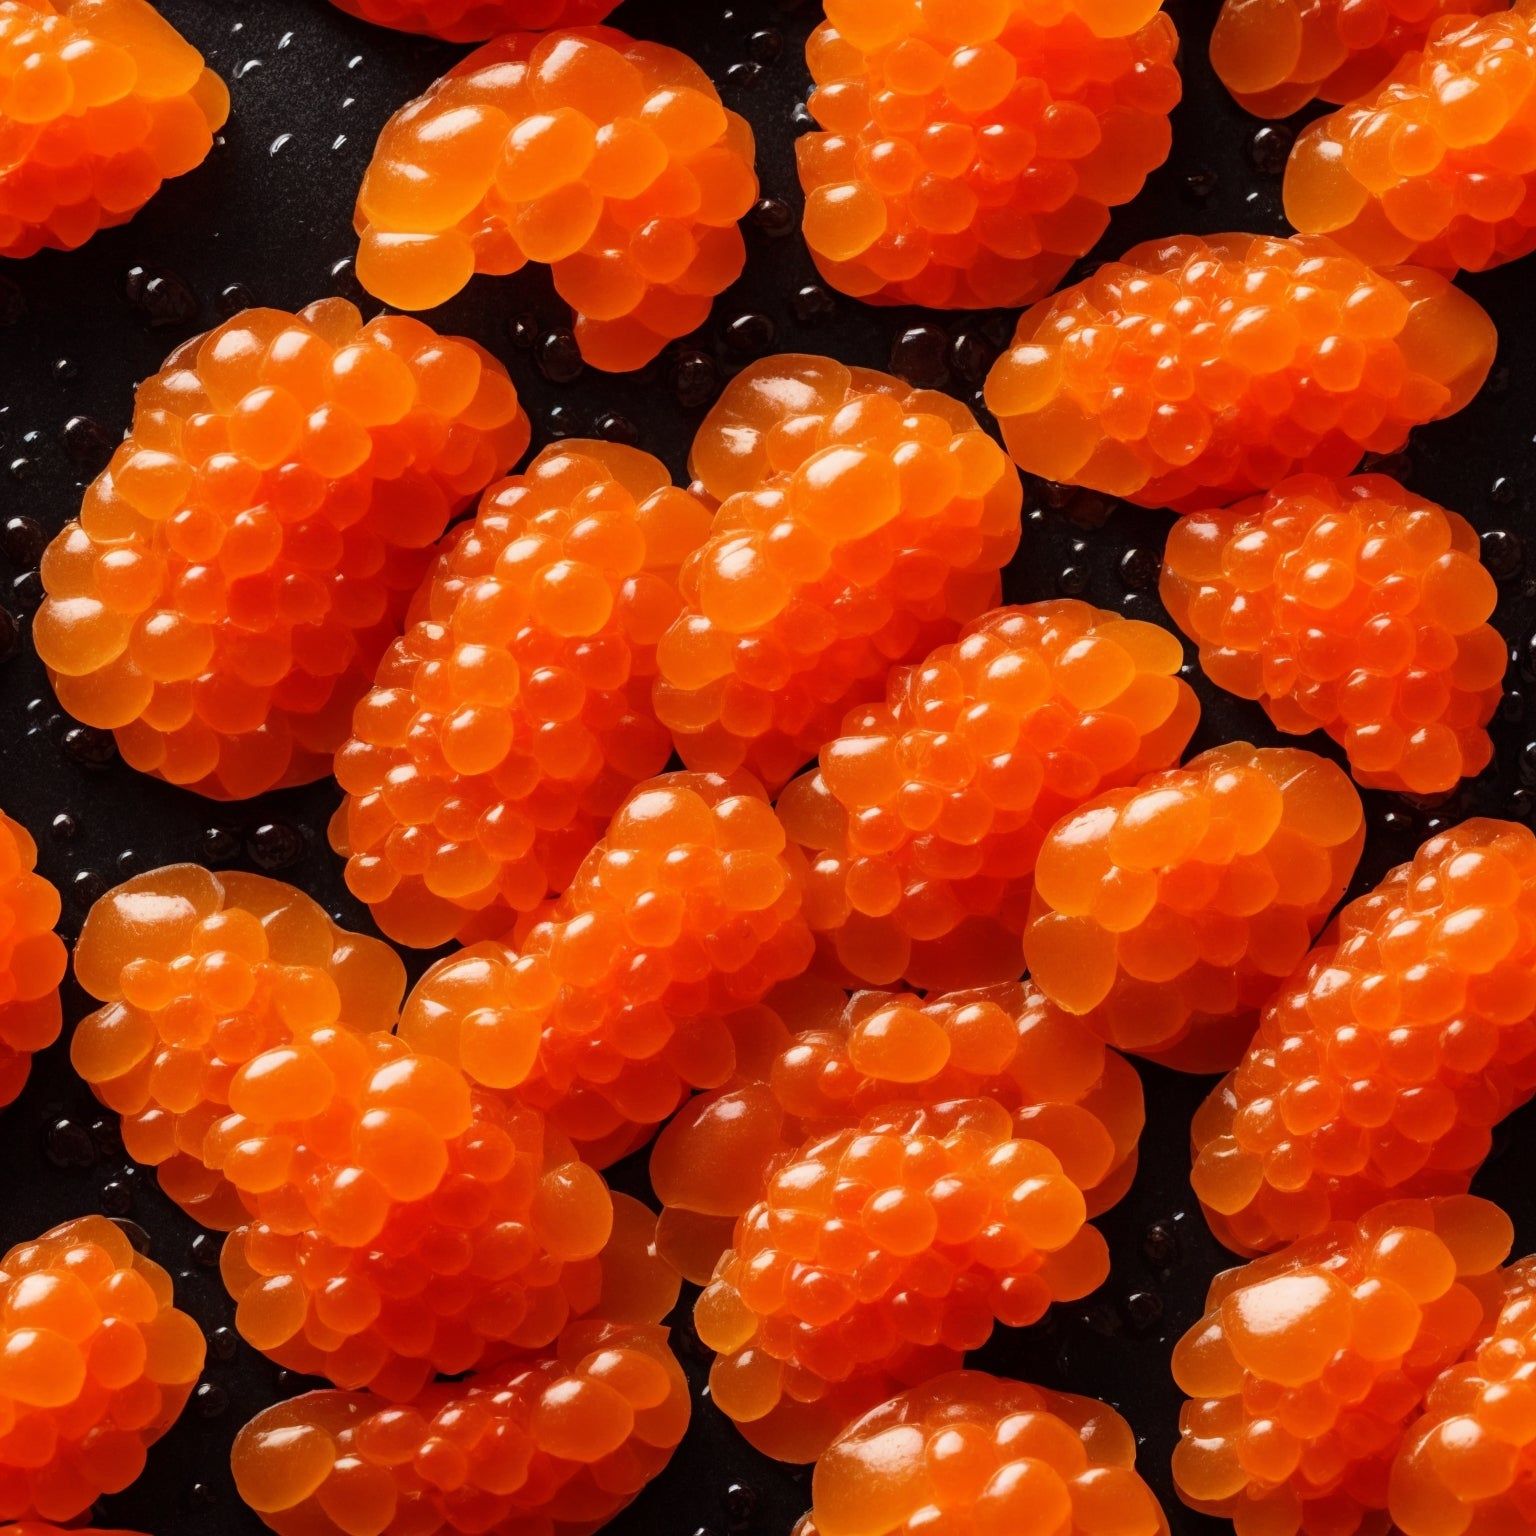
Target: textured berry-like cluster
x,y
1310,1364
1353,606
1383,1064
1203,368
609,160
104,101
976,1453
239,568
877,1256
98,1364
1277,55
925,817
1454,189
199,976
510,720
473,21
557,1443
861,522
618,1002
1167,913
32,958
813,1060
971,153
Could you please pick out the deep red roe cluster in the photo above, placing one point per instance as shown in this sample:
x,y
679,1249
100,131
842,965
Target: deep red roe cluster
x,y
473,21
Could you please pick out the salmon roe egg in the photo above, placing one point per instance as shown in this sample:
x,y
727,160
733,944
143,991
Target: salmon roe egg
x,y
32,958
240,566
1383,1064
1309,1364
608,160
1199,369
925,816
973,1452
473,21
970,154
101,102
507,724
1353,606
97,1364
1166,914
860,523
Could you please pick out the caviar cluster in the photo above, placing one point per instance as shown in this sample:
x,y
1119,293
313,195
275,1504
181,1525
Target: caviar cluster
x,y
1309,1365
98,1365
608,160
240,566
970,154
971,1452
32,959
103,102
1455,187
507,724
813,1060
1351,606
472,21
1381,1067
926,814
1165,914
1200,369
860,522
1277,55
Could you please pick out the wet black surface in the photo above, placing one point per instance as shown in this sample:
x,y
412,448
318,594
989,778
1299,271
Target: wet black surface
x,y
267,220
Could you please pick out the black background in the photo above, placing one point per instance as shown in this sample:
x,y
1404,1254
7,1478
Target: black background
x,y
268,220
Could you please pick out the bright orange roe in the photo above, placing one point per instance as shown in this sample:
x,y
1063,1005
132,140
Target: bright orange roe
x,y
1434,166
1381,1067
1353,606
472,21
977,1453
240,566
98,1364
1309,1365
877,1256
32,959
507,724
1166,914
101,102
924,820
971,153
812,1061
1199,369
861,522
619,1001
609,160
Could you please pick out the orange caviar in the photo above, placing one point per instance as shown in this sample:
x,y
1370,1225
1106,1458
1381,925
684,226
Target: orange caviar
x,y
812,1061
32,958
1199,369
199,974
1277,55
618,1004
1383,1064
978,1453
556,1443
972,152
860,523
609,160
1469,1462
1166,914
1434,165
472,21
508,723
925,818
101,101
239,568
877,1256
1354,606
1309,1364
98,1364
